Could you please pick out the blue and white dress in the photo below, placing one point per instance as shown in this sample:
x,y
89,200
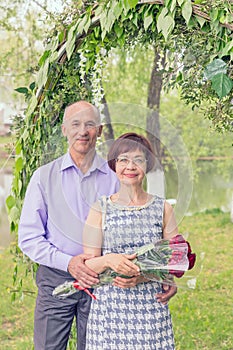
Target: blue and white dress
x,y
132,318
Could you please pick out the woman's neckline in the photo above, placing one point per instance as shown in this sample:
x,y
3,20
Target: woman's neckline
x,y
131,207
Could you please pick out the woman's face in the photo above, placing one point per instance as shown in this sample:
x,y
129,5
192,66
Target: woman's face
x,y
131,167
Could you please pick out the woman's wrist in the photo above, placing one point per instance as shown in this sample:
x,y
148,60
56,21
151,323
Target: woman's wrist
x,y
107,260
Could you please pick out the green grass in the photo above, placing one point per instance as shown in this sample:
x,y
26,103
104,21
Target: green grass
x,y
202,317
16,318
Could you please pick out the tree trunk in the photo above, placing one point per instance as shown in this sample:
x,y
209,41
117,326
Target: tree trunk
x,y
155,178
153,102
108,130
108,133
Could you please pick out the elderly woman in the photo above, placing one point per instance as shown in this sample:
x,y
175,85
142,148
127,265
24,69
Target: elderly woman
x,y
128,318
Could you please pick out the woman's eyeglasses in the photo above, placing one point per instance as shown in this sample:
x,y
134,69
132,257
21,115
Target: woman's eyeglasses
x,y
124,161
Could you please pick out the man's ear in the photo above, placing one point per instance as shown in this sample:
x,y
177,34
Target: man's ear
x,y
100,130
63,129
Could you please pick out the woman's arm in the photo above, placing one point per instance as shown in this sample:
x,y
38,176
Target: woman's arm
x,y
170,228
92,239
92,243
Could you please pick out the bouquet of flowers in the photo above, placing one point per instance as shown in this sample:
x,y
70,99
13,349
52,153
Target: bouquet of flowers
x,y
158,261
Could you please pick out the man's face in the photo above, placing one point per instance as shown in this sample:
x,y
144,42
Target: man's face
x,y
81,127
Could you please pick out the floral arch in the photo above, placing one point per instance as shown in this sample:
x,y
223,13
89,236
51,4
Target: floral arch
x,y
197,35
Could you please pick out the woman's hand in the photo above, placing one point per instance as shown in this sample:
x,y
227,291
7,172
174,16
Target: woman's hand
x,y
122,264
129,282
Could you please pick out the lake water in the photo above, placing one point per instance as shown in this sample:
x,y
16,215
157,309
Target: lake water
x,y
210,191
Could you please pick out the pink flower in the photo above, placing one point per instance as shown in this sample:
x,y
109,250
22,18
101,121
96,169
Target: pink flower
x,y
177,256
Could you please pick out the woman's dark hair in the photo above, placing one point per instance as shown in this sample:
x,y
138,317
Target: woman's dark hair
x,y
131,142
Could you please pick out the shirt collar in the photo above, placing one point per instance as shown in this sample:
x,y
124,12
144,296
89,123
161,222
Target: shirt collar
x,y
98,163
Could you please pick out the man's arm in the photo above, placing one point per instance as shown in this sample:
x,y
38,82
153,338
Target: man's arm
x,y
32,229
33,235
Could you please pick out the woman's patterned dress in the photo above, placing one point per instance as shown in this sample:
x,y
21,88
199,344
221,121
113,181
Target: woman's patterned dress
x,y
132,318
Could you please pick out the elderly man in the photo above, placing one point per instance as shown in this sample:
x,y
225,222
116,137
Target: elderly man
x,y
56,205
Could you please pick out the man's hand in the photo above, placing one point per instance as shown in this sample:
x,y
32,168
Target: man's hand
x,y
81,272
169,292
128,282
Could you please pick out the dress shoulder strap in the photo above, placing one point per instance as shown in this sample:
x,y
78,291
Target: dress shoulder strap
x,y
103,204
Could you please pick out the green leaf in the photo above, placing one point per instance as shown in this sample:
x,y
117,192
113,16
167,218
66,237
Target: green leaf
x,y
117,9
18,148
53,57
135,19
25,134
52,45
19,164
22,90
161,19
43,75
106,22
70,43
98,11
44,57
214,13
132,3
32,86
180,2
83,25
179,77
201,21
110,20
147,21
70,48
173,5
61,36
165,23
218,66
32,105
167,3
227,49
14,213
229,18
126,6
10,202
118,30
222,18
186,10
222,84
87,25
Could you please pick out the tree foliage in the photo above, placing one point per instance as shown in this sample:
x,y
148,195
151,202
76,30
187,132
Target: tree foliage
x,y
126,80
196,37
196,41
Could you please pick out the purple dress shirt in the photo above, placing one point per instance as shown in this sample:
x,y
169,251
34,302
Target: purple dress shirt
x,y
56,205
